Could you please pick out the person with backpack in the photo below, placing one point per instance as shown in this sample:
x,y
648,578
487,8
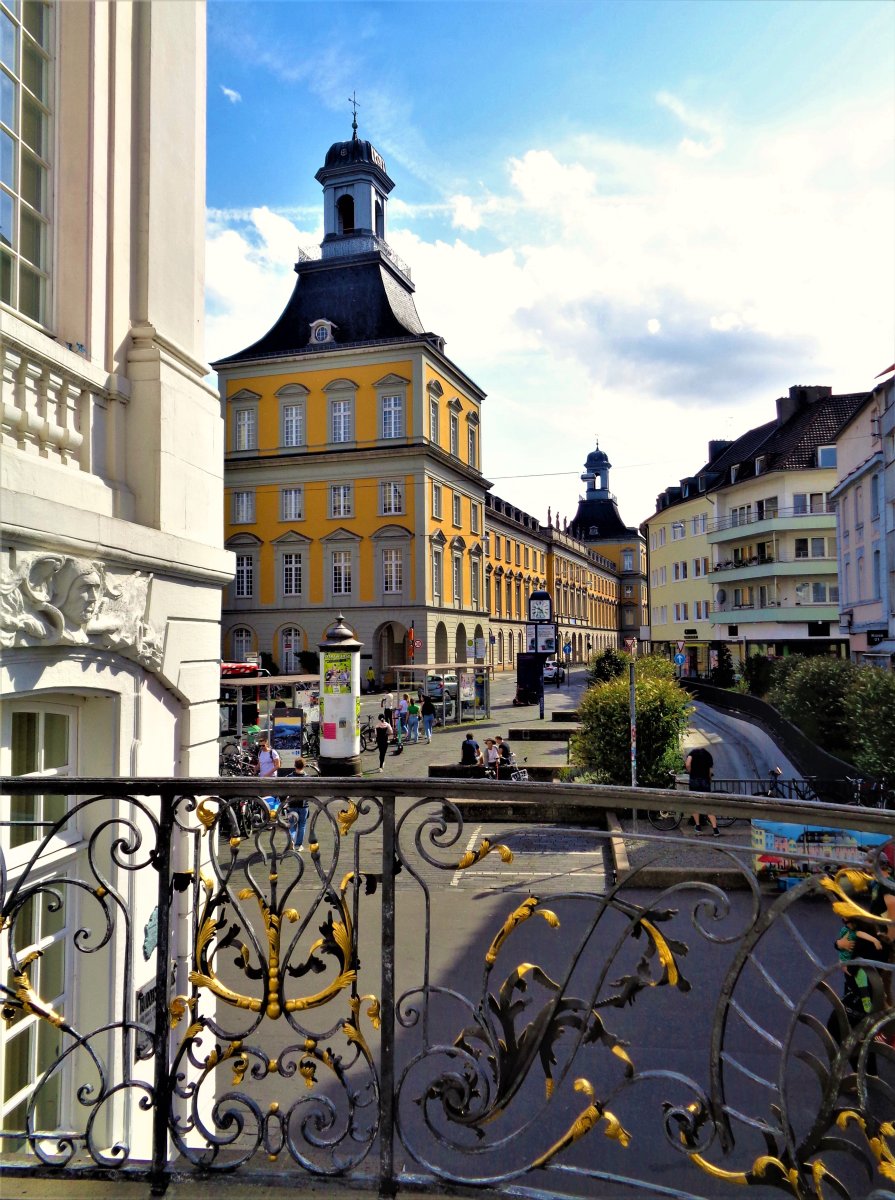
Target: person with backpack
x,y
427,710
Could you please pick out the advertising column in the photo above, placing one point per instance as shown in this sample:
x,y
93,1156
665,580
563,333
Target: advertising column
x,y
340,701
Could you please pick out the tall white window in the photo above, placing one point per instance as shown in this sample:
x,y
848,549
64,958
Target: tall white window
x,y
245,576
392,416
293,424
627,560
473,447
242,643
698,523
457,581
292,503
392,571
455,435
456,508
25,144
340,421
437,582
43,743
474,523
475,581
436,501
340,500
391,497
678,530
290,647
245,429
292,574
243,508
434,429
341,572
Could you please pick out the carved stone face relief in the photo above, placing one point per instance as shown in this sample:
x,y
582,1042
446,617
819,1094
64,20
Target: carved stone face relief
x,y
59,600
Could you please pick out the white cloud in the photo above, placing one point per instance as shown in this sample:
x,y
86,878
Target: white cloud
x,y
233,96
765,265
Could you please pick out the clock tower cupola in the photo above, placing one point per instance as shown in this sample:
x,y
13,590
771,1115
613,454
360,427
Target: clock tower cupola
x,y
355,197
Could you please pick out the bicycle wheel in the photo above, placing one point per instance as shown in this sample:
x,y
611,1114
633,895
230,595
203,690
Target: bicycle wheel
x,y
723,822
664,819
255,815
363,742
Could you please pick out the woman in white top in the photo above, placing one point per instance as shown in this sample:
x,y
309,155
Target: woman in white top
x,y
492,754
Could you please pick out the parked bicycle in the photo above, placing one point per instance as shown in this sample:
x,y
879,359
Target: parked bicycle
x,y
368,735
236,761
667,818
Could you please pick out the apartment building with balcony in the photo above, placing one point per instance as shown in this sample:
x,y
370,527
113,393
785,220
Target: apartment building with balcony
x,y
760,511
863,507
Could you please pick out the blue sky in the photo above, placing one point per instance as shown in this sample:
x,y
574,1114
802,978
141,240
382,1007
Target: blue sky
x,y
639,221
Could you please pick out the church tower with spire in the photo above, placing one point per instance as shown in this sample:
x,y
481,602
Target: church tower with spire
x,y
353,456
597,523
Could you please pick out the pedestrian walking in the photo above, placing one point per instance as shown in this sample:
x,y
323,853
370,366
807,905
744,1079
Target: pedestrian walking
x,y
268,760
383,737
387,704
371,681
401,717
300,807
413,721
701,766
427,710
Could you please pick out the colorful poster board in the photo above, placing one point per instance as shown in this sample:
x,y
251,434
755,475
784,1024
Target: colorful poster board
x,y
789,850
336,673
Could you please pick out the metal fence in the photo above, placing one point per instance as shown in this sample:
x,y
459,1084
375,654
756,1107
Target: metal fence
x,y
354,1011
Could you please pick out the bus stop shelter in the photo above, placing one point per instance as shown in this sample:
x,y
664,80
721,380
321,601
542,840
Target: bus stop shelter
x,y
473,699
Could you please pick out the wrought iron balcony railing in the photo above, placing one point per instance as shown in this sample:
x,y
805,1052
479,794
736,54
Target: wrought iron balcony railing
x,y
198,979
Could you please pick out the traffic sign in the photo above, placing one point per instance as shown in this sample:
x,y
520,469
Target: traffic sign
x,y
418,644
680,646
680,659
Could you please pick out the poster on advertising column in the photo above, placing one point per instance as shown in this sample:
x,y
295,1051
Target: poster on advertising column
x,y
336,673
546,639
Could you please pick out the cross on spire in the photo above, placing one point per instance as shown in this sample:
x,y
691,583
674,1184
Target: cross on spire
x,y
352,100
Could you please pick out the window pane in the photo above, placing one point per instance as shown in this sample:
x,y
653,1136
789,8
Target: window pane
x,y
7,100
7,236
7,41
54,807
34,18
34,71
34,126
17,1052
31,239
24,742
31,291
23,934
52,971
55,740
22,808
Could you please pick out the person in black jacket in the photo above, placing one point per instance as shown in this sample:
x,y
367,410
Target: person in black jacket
x,y
700,766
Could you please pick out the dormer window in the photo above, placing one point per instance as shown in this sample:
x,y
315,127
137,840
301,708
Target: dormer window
x,y
761,464
321,333
826,456
734,472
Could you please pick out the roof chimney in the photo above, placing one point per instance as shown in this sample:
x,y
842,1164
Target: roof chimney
x,y
800,395
716,448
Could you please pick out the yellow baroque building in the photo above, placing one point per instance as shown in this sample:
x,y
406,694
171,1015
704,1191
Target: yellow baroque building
x,y
353,480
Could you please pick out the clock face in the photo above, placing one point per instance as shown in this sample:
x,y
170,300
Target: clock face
x,y
539,610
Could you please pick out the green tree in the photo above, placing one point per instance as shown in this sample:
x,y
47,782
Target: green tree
x,y
608,665
870,721
723,675
604,741
811,692
758,673
655,666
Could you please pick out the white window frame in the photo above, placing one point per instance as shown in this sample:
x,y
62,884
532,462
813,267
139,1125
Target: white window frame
x,y
243,506
341,501
391,497
455,435
245,428
391,408
341,420
392,571
68,834
241,646
245,573
472,440
457,510
436,501
292,424
434,421
292,503
342,572
291,572
457,580
437,575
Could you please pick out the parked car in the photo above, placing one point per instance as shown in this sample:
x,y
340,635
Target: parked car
x,y
437,685
554,671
